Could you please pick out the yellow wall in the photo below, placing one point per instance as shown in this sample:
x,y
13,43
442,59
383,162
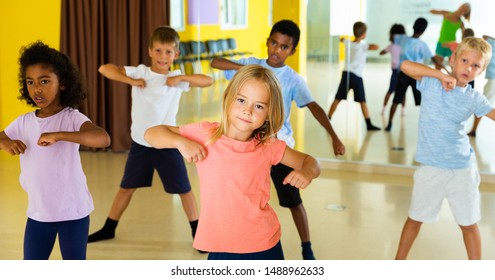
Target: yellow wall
x,y
22,22
294,10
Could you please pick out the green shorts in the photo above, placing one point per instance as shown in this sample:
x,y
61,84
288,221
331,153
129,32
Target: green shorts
x,y
443,52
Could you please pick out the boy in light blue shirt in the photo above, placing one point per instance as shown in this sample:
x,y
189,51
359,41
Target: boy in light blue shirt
x,y
281,44
448,165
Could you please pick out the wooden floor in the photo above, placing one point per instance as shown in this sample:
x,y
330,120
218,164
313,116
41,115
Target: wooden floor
x,y
353,215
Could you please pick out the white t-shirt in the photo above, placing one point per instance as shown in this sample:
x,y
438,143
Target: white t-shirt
x,y
357,56
155,104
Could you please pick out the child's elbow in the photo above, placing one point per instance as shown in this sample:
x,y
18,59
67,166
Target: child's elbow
x,y
148,136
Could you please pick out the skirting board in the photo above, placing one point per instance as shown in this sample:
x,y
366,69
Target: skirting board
x,y
392,169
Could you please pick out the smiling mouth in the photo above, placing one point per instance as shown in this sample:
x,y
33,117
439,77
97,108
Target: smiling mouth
x,y
244,120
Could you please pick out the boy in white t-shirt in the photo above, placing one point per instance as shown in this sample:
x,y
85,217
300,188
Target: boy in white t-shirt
x,y
353,72
156,93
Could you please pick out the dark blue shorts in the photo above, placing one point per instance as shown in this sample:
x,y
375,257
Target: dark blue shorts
x,y
288,196
275,253
351,81
393,80
142,161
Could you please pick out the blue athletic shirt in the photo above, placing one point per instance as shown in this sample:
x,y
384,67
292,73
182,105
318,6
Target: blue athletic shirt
x,y
442,139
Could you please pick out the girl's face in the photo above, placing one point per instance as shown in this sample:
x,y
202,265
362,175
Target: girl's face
x,y
43,87
467,66
249,110
162,56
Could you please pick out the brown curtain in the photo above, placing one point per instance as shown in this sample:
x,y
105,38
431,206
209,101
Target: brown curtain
x,y
95,32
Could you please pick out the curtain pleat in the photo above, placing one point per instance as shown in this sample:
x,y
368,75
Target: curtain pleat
x,y
96,32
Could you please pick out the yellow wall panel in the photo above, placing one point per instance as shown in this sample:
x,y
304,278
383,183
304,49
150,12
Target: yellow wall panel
x,y
22,22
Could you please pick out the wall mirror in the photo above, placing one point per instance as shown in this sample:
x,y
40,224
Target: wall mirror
x,y
327,21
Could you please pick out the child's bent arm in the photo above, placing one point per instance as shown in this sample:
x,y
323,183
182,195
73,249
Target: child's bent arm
x,y
116,73
164,136
417,71
194,80
224,64
13,147
89,135
306,168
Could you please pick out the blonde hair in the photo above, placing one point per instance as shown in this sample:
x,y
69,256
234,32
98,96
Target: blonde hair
x,y
475,44
275,102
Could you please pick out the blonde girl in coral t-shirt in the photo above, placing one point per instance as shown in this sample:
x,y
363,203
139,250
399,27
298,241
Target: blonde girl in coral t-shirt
x,y
233,159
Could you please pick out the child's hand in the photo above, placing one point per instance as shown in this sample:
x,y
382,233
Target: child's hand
x,y
192,151
13,147
140,83
448,82
47,139
338,147
173,81
298,179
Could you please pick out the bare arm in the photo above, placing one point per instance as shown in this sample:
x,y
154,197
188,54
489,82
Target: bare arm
x,y
194,80
117,73
417,71
224,64
373,47
13,147
322,118
306,168
164,136
491,114
89,135
440,12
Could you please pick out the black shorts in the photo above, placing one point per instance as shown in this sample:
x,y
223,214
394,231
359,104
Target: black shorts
x,y
169,163
288,196
393,81
404,81
353,82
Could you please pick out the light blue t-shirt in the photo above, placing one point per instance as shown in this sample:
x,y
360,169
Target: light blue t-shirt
x,y
490,69
294,88
442,140
412,49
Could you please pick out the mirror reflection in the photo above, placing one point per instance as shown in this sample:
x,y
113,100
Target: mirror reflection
x,y
333,20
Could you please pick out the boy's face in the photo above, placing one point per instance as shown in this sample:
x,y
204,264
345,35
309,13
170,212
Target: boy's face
x,y
466,66
162,56
280,47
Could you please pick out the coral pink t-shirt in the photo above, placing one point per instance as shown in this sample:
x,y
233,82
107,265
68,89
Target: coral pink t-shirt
x,y
235,216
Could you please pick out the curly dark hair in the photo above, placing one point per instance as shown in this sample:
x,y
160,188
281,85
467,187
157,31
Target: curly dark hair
x,y
73,92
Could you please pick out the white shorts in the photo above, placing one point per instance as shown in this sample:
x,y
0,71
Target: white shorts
x,y
459,186
489,90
